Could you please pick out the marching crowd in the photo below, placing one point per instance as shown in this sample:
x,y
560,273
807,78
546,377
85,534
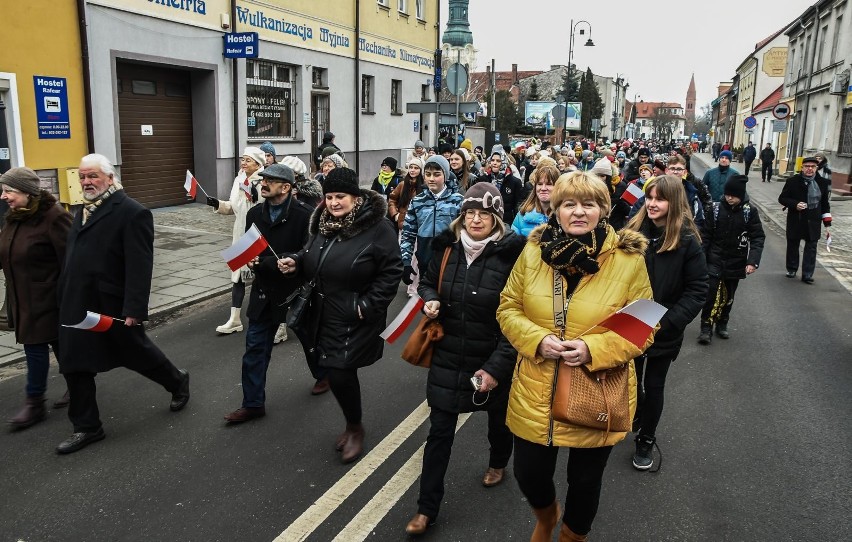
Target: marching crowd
x,y
518,253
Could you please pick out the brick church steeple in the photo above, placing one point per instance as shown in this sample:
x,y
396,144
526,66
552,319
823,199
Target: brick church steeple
x,y
689,109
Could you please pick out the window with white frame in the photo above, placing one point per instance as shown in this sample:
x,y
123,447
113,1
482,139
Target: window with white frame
x,y
396,96
270,103
367,87
418,6
383,3
402,6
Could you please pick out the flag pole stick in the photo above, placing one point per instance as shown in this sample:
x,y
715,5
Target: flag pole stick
x,y
202,190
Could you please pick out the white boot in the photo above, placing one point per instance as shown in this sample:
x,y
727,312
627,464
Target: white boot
x,y
281,334
233,324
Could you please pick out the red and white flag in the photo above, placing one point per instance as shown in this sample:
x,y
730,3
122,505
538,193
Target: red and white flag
x,y
246,186
633,193
251,244
403,319
636,321
94,322
190,185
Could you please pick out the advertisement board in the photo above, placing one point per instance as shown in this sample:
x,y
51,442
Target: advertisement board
x,y
540,115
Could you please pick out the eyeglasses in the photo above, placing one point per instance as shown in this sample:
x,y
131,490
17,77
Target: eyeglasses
x,y
470,214
677,169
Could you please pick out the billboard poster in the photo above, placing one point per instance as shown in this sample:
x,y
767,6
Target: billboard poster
x,y
540,115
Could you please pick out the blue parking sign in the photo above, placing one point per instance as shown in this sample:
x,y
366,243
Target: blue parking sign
x,y
51,102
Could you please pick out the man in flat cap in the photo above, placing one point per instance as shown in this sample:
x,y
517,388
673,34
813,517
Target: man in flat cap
x,y
805,196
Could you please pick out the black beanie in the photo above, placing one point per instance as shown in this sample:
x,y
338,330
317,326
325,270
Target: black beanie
x,y
390,162
341,179
736,186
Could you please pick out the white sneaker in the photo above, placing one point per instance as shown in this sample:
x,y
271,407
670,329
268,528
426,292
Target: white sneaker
x,y
281,334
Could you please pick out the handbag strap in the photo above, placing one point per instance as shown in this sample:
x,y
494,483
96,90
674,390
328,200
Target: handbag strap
x,y
323,254
443,266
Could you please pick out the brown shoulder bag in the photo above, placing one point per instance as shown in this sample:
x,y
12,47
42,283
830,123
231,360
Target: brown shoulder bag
x,y
418,347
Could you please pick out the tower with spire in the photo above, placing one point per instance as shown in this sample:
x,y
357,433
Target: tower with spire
x,y
689,110
457,41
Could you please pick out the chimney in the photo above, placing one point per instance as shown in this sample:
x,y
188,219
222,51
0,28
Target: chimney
x,y
488,72
514,73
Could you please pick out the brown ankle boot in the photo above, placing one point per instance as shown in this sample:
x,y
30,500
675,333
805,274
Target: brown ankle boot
x,y
354,444
30,414
546,522
567,535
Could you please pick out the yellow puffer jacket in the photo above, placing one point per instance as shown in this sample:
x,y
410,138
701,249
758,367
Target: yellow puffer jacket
x,y
526,317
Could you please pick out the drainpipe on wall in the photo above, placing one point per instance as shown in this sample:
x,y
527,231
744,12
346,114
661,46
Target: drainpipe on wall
x,y
87,84
235,90
358,85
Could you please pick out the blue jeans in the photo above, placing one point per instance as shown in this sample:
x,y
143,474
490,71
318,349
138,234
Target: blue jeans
x,y
259,340
38,365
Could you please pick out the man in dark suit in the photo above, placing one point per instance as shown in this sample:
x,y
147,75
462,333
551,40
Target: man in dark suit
x,y
108,266
806,197
283,222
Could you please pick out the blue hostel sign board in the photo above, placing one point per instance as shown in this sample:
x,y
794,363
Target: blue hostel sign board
x,y
241,45
51,102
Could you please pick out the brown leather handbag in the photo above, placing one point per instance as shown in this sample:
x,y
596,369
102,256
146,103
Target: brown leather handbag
x,y
597,400
418,347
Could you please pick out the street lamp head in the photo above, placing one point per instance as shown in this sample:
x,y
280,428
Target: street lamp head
x,y
590,43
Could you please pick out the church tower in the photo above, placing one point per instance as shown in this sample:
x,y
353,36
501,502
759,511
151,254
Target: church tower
x,y
689,109
457,40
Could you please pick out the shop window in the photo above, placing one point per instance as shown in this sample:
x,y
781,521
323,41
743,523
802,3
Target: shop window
x,y
270,101
319,78
367,82
144,88
396,96
845,146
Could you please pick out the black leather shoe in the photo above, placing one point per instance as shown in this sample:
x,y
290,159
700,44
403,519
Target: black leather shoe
x,y
181,397
78,441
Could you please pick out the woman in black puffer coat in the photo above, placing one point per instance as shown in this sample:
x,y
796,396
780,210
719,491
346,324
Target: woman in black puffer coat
x,y
678,273
482,252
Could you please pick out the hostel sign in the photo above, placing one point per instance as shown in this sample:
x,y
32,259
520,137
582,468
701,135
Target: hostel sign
x,y
51,102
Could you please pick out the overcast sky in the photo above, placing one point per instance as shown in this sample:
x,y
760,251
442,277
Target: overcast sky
x,y
655,45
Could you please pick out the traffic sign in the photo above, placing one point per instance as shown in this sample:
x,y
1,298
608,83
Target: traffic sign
x,y
779,125
781,111
750,122
457,79
241,45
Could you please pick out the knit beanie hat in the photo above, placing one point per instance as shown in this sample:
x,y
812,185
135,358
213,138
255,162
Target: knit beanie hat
x,y
417,161
338,161
328,151
659,165
298,167
390,162
419,145
644,152
267,148
441,162
621,154
603,167
467,144
341,179
736,186
726,154
484,196
22,179
646,166
255,154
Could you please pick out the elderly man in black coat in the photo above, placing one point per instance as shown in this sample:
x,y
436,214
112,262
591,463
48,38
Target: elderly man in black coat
x,y
805,196
283,222
108,266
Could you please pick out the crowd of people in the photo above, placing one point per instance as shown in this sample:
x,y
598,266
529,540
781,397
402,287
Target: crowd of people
x,y
518,253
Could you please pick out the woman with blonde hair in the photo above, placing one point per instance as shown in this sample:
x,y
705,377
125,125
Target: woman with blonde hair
x,y
678,272
536,208
574,272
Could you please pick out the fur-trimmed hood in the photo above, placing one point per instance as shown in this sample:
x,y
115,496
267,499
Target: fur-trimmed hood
x,y
374,210
629,241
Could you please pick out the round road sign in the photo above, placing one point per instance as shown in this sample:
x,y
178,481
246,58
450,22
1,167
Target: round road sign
x,y
750,122
781,111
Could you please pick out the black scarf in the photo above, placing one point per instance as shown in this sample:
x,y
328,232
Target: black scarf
x,y
573,257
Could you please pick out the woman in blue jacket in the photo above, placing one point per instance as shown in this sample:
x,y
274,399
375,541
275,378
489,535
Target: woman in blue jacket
x,y
535,209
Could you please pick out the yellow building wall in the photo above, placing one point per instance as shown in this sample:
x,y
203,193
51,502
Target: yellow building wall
x,y
46,45
388,23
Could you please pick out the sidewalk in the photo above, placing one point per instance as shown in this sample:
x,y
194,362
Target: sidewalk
x,y
187,265
838,262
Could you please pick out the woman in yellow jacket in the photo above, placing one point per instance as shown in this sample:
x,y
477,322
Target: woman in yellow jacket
x,y
600,271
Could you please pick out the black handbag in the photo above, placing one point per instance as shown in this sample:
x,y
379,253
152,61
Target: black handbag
x,y
300,300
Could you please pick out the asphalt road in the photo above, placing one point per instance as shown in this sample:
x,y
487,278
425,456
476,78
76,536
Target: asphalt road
x,y
756,437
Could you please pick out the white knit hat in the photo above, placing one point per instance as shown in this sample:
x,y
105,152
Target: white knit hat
x,y
296,164
255,154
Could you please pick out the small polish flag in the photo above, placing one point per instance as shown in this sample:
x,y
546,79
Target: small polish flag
x,y
403,319
94,322
251,244
246,186
191,185
636,321
633,193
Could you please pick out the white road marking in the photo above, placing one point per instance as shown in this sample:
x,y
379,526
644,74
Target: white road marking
x,y
374,511
318,512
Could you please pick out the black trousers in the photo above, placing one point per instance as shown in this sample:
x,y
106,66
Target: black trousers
x,y
83,408
808,257
748,165
535,465
439,445
651,374
766,171
346,388
713,287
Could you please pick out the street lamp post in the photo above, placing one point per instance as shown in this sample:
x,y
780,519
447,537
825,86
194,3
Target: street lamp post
x,y
589,43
